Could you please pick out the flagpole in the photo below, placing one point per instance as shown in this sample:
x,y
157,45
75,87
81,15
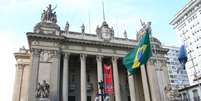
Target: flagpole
x,y
158,69
145,67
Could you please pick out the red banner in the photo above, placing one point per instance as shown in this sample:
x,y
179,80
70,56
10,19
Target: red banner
x,y
108,80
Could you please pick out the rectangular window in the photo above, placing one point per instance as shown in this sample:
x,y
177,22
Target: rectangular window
x,y
184,97
196,95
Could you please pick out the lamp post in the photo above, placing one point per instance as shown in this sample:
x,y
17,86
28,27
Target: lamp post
x,y
101,87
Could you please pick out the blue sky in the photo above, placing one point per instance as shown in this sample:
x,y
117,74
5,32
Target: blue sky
x,y
19,16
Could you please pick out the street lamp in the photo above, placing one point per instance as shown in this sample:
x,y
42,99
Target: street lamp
x,y
101,87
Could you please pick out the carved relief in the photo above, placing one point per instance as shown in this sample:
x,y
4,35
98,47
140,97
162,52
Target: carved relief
x,y
45,56
35,42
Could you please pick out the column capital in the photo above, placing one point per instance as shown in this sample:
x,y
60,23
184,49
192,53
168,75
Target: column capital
x,y
83,56
20,66
36,51
66,55
55,53
99,57
115,58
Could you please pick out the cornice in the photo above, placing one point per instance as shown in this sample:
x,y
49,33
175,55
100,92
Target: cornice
x,y
189,6
22,55
63,39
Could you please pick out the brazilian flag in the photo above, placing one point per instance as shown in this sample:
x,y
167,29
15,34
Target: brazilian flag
x,y
138,55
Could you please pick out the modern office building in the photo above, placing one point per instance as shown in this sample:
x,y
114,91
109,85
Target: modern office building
x,y
178,77
187,24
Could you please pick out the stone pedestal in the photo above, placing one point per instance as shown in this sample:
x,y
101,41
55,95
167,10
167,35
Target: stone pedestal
x,y
47,28
43,99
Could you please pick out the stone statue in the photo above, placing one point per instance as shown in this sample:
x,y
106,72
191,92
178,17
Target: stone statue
x,y
42,90
46,87
143,24
54,17
38,90
125,34
43,15
66,29
48,14
148,27
97,30
112,30
83,28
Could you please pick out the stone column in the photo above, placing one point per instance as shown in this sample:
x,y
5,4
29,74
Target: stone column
x,y
131,87
116,79
65,77
146,88
18,82
83,77
55,76
34,74
99,72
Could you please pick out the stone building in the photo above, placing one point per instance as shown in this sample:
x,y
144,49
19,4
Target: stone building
x,y
63,65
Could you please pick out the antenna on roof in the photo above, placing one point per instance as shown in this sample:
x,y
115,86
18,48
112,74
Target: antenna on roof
x,y
89,22
103,10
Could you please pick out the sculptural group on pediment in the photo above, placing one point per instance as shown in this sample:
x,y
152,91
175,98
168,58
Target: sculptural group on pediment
x,y
49,15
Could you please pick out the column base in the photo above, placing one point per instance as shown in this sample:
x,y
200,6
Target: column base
x,y
43,99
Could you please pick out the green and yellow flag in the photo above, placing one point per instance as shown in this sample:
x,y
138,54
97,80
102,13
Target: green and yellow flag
x,y
138,55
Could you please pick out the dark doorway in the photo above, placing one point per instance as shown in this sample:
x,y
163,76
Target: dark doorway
x,y
88,98
71,98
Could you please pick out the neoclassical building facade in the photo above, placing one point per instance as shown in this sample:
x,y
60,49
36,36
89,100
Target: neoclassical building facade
x,y
63,65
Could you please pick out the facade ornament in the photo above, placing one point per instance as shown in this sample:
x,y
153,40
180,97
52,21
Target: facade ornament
x,y
42,90
36,51
125,34
105,32
49,15
66,29
83,28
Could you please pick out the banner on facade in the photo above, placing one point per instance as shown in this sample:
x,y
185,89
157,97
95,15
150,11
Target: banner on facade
x,y
108,80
